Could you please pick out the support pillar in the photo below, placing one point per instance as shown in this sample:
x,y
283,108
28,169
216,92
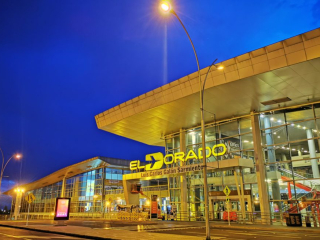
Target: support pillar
x,y
17,205
260,170
63,187
313,154
183,181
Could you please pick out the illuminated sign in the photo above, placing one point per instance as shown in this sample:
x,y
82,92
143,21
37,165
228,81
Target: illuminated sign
x,y
173,158
62,209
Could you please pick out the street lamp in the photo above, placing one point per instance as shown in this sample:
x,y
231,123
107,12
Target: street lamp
x,y
167,8
4,164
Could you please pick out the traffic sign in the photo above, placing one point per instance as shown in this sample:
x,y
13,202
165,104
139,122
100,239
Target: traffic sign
x,y
227,199
227,191
30,198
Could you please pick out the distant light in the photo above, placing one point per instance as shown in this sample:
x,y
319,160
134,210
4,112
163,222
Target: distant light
x,y
304,127
274,133
18,156
279,121
272,119
245,141
165,6
278,136
292,124
220,67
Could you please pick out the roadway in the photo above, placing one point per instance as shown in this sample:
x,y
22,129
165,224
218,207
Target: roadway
x,y
14,233
228,234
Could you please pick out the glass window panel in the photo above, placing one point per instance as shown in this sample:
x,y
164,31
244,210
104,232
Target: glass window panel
x,y
299,114
229,129
210,134
193,137
302,130
304,169
271,120
245,125
233,145
274,136
247,141
173,142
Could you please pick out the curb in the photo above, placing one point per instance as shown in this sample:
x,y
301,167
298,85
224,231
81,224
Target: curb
x,y
59,233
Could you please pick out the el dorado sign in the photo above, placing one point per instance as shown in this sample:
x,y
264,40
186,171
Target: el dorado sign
x,y
173,158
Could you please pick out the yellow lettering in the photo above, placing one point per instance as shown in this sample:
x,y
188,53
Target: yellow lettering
x,y
214,153
179,156
207,154
166,157
191,155
134,165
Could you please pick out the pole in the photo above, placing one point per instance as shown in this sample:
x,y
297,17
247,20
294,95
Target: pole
x,y
205,180
28,214
228,206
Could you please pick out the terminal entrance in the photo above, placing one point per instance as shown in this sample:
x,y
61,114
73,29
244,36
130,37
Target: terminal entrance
x,y
219,207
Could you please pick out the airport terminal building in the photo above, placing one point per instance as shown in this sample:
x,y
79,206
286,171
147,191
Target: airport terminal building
x,y
262,131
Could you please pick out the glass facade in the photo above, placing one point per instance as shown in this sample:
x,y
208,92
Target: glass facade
x,y
87,191
290,139
290,148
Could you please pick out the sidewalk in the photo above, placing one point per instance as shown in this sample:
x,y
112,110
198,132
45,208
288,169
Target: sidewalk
x,y
103,229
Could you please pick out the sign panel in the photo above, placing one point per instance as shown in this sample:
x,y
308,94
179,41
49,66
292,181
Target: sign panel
x,y
30,198
154,206
62,209
227,191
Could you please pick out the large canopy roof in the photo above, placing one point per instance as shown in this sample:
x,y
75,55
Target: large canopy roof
x,y
286,69
75,169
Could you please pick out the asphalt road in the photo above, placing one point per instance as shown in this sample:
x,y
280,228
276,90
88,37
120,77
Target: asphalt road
x,y
13,233
226,234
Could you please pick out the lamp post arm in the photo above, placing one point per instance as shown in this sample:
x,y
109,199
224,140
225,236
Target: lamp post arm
x,y
205,79
194,50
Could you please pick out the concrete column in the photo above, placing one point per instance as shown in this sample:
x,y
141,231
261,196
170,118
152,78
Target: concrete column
x,y
183,180
272,159
313,154
63,188
284,158
260,170
17,205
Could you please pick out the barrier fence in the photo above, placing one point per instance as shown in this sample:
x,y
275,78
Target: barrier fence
x,y
235,217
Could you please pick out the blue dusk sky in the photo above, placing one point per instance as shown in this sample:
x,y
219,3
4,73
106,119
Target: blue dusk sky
x,y
62,62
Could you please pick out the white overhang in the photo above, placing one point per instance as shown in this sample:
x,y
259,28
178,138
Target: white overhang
x,y
289,68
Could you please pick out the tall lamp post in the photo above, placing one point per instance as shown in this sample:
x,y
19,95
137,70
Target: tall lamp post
x,y
166,7
4,164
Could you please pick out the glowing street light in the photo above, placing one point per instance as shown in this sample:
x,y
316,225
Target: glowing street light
x,y
166,7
